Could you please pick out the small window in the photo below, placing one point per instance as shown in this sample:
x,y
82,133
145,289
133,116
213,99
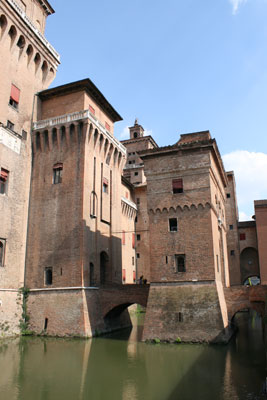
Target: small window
x,y
136,219
180,317
92,110
10,125
231,227
177,186
45,324
228,195
242,236
138,236
14,97
48,276
2,252
24,134
232,252
137,201
136,174
57,173
166,259
173,226
124,275
105,185
3,181
130,162
137,255
134,276
133,240
135,134
132,260
180,262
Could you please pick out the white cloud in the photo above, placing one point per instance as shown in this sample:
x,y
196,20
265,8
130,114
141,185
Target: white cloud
x,y
147,132
236,4
250,171
125,133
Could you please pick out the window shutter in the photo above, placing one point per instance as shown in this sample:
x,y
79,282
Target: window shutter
x,y
105,181
4,174
15,93
91,109
133,240
177,184
58,166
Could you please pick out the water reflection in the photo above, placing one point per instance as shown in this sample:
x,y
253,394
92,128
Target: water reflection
x,y
121,368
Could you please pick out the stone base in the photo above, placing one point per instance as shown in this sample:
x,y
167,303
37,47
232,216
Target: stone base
x,y
185,311
10,312
71,312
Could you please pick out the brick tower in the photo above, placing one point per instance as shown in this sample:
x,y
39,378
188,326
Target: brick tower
x,y
29,64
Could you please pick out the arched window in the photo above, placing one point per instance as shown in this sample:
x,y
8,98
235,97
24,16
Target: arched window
x,y
57,173
135,134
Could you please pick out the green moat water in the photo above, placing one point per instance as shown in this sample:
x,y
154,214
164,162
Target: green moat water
x,y
120,367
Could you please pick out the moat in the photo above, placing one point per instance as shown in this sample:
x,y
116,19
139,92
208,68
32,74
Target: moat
x,y
120,367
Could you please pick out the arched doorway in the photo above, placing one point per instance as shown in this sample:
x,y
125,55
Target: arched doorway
x,y
104,267
249,263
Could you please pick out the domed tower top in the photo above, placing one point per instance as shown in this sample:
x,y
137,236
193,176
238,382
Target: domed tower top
x,y
137,130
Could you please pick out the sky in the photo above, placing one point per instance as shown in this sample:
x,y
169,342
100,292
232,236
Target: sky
x,y
179,66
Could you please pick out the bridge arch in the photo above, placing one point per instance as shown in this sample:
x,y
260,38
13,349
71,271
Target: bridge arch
x,y
249,263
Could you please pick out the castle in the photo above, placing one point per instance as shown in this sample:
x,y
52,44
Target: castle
x,y
81,211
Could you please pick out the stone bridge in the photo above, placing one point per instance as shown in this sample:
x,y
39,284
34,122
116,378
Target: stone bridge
x,y
239,298
116,298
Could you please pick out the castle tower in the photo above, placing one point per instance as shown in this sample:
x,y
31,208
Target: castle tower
x,y
189,264
29,64
77,206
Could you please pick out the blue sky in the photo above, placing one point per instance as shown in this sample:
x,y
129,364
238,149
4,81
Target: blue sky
x,y
179,66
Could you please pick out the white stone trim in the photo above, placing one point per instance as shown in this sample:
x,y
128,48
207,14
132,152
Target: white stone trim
x,y
46,289
45,42
129,203
76,116
10,140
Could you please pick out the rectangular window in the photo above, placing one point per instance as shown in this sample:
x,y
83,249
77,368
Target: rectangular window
x,y
228,195
123,275
48,276
180,317
10,125
137,255
2,252
3,181
24,134
57,173
123,237
138,236
132,260
232,252
107,126
173,226
242,236
180,262
133,240
137,201
136,174
177,185
231,227
14,96
92,110
166,259
134,276
105,185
